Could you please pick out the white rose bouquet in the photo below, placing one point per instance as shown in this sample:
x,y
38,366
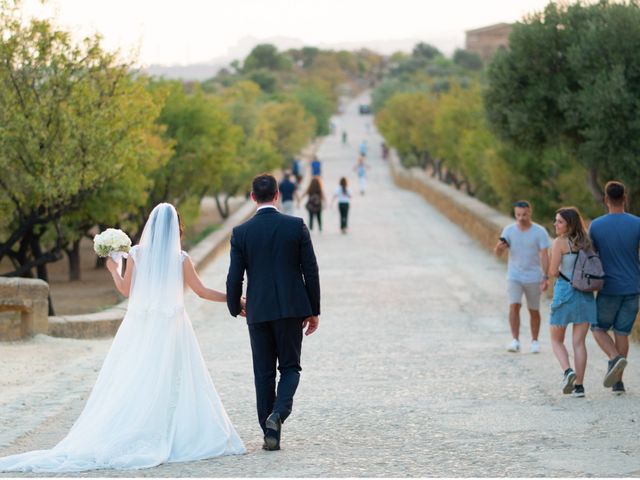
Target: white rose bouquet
x,y
112,243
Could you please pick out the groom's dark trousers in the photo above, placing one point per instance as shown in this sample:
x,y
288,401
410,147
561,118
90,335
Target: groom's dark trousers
x,y
283,288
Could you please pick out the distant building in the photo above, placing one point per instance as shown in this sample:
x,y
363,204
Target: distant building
x,y
486,40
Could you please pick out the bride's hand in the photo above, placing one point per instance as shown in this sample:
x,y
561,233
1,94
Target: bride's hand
x,y
112,266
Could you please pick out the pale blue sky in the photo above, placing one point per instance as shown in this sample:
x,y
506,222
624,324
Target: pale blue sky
x,y
189,31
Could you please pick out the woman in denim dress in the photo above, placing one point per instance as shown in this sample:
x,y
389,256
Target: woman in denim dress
x,y
570,305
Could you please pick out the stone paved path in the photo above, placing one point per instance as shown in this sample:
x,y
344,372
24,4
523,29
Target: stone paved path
x,y
407,375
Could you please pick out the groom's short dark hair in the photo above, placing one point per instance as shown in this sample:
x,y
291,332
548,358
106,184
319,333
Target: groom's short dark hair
x,y
264,187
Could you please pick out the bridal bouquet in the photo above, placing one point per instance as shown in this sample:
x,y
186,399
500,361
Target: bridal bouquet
x,y
112,242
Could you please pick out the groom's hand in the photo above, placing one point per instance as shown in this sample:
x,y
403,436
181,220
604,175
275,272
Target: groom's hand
x,y
243,307
311,324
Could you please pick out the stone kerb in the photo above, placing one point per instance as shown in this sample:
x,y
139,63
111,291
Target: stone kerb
x,y
106,323
28,297
480,221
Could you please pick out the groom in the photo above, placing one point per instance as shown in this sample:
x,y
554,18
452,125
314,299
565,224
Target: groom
x,y
283,298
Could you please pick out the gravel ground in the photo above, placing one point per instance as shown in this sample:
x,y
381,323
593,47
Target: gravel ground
x,y
408,374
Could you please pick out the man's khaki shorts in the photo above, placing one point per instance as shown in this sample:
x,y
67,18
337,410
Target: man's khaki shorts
x,y
530,290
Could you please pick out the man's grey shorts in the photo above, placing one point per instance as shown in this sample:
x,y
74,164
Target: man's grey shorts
x,y
531,291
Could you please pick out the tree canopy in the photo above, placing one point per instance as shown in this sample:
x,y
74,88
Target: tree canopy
x,y
570,79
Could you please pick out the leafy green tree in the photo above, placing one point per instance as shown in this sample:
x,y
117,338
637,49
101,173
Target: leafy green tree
x,y
254,155
267,81
266,56
570,79
71,120
205,145
407,124
108,204
317,103
286,126
467,59
425,51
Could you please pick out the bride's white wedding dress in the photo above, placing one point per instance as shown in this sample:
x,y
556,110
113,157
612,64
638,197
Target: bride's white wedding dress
x,y
154,401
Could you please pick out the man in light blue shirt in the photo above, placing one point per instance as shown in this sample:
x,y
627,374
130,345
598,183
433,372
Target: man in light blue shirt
x,y
527,272
616,237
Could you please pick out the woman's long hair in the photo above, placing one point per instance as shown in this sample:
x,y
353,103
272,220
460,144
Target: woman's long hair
x,y
343,184
315,186
576,228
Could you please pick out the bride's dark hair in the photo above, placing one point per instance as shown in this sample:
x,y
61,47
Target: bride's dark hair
x,y
180,225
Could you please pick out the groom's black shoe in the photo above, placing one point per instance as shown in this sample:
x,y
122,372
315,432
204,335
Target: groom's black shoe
x,y
273,426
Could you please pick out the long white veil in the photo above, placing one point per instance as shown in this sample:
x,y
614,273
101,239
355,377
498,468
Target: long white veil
x,y
157,278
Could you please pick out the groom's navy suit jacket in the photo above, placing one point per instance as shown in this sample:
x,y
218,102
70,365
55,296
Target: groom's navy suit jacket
x,y
282,273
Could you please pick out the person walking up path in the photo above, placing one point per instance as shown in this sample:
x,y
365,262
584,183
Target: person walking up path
x,y
361,169
616,237
288,191
315,201
316,167
527,271
363,149
569,304
343,196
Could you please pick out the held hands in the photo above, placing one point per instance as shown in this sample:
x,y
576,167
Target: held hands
x,y
311,324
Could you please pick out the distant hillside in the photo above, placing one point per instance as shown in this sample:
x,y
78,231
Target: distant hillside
x,y
196,71
205,70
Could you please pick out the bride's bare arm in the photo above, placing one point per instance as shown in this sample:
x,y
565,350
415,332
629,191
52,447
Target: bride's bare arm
x,y
123,284
192,279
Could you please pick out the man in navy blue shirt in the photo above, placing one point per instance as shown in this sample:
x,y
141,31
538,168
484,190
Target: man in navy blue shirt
x,y
287,192
616,237
316,167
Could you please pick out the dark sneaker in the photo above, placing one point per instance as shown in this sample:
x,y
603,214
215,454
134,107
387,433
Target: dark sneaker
x,y
578,391
614,371
618,388
568,381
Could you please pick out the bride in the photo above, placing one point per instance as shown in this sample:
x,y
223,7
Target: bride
x,y
154,401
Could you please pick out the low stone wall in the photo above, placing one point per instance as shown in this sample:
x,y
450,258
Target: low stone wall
x,y
480,221
27,300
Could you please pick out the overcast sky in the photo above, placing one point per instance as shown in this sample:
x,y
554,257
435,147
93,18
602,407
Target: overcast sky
x,y
190,31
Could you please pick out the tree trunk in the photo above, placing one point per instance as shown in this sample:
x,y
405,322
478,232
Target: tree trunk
x,y
22,255
74,261
437,169
223,209
43,273
226,204
594,186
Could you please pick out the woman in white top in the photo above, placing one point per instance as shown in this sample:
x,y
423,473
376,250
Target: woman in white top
x,y
343,195
153,401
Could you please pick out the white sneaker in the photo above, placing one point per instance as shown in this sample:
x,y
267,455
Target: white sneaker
x,y
514,346
535,346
